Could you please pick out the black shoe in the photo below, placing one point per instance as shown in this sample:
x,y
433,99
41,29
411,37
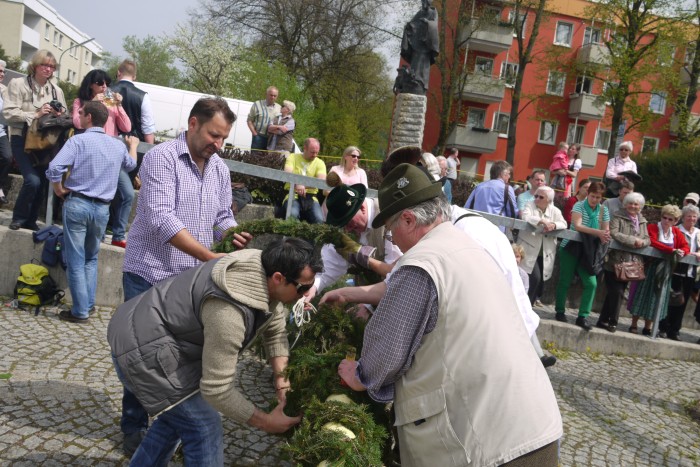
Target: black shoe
x,y
548,361
581,322
646,332
611,328
3,199
602,325
15,226
66,315
674,337
131,442
561,317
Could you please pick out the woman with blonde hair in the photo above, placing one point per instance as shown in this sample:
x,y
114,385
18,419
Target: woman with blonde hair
x,y
26,99
349,168
667,238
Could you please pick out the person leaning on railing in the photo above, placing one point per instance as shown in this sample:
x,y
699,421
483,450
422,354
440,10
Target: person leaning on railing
x,y
683,279
629,227
588,217
668,239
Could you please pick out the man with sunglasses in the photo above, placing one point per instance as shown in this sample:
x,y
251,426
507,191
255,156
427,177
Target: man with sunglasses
x,y
176,347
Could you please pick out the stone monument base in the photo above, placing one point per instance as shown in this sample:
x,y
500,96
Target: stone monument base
x,y
408,122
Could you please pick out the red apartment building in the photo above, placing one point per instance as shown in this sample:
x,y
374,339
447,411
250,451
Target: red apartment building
x,y
575,116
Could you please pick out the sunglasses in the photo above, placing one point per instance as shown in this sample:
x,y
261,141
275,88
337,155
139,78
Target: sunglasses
x,y
540,197
100,83
301,288
355,156
668,218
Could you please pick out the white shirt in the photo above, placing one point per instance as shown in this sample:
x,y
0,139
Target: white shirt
x,y
335,266
491,239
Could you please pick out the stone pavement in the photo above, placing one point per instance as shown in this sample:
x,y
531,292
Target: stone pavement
x,y
60,399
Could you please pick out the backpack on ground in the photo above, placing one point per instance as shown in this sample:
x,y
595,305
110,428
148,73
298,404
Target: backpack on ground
x,y
36,288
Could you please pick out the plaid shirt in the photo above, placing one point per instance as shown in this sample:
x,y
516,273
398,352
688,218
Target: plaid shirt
x,y
174,196
408,311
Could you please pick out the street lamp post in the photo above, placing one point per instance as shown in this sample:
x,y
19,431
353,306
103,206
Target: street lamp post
x,y
69,48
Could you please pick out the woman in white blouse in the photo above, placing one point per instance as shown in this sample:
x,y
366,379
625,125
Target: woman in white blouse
x,y
540,250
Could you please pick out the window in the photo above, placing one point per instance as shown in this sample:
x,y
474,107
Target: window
x,y
87,57
548,132
500,123
591,36
689,54
584,84
60,41
483,66
650,144
602,140
509,72
55,38
575,133
71,50
657,103
555,83
563,34
476,118
47,32
70,76
521,23
491,15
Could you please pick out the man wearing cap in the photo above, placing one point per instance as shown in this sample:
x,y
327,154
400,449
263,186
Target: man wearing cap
x,y
350,210
691,198
439,344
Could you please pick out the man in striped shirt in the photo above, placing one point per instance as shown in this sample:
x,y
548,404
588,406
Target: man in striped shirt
x,y
261,115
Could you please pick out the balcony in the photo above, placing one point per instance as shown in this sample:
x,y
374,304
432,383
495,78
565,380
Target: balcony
x,y
588,156
483,88
476,140
585,107
693,120
30,37
593,54
492,38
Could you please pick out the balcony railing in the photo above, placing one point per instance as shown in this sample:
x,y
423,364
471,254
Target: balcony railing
x,y
586,107
30,37
488,37
588,156
471,139
483,88
594,54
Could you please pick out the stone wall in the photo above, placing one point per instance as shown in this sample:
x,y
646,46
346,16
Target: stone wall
x,y
408,122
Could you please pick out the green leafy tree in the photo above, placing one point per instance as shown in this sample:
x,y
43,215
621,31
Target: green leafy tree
x,y
643,36
689,127
156,64
13,63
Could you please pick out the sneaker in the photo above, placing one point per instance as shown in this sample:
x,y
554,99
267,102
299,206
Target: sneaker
x,y
583,324
561,317
131,442
66,315
119,243
538,303
548,360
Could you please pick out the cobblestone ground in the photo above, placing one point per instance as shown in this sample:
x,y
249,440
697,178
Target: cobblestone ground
x,y
60,399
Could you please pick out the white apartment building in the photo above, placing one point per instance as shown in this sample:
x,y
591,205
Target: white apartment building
x,y
30,25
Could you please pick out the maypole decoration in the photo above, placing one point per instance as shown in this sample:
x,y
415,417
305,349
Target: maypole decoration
x,y
340,427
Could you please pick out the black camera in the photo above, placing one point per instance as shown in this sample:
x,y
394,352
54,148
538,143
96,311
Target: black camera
x,y
56,105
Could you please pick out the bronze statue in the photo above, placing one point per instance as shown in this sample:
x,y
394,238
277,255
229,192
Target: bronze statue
x,y
419,47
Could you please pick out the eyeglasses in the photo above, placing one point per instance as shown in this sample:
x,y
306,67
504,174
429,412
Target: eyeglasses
x,y
48,65
624,149
301,288
2,72
355,156
99,83
540,197
668,218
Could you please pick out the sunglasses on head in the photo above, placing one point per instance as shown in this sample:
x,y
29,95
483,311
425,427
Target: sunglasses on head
x,y
301,288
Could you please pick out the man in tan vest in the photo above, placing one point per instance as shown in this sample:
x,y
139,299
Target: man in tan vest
x,y
350,210
448,347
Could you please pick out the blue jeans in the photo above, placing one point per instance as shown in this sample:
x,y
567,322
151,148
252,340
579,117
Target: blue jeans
x,y
84,223
34,187
259,142
194,422
447,188
134,416
121,205
313,215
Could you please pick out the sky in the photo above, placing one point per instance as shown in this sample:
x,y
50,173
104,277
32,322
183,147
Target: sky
x,y
149,17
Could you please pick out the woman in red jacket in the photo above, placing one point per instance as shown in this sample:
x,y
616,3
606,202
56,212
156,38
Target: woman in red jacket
x,y
667,238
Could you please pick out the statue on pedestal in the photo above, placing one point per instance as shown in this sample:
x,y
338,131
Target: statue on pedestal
x,y
419,47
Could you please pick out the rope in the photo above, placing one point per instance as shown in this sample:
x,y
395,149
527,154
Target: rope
x,y
300,315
